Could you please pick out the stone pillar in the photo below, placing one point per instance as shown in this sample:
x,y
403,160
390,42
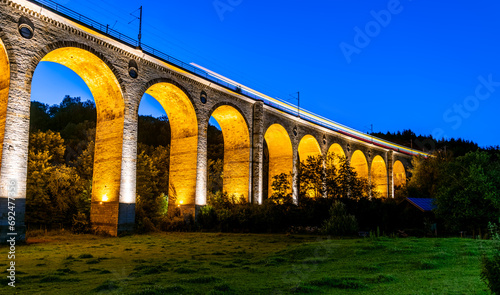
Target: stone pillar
x,y
257,152
104,217
201,174
15,156
324,154
390,174
128,183
295,173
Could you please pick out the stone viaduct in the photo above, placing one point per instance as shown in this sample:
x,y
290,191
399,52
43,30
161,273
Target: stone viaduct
x,y
118,73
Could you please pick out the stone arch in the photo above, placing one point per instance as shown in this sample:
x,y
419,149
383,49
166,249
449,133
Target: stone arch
x,y
359,163
308,146
280,152
232,105
379,175
184,140
172,82
399,173
43,52
337,150
4,92
236,169
107,92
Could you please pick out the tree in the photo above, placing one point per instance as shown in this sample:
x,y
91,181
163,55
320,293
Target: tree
x,y
152,186
340,222
147,176
215,175
281,188
154,131
490,264
312,177
39,207
337,179
215,143
467,192
71,110
45,150
458,147
343,182
49,142
39,116
66,193
54,190
160,156
426,173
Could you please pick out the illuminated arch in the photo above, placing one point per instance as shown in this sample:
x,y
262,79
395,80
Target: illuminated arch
x,y
308,147
236,170
280,152
338,151
184,139
379,175
359,163
110,106
4,92
399,174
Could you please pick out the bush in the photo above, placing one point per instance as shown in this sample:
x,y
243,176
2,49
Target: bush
x,y
490,272
81,224
207,217
340,222
176,222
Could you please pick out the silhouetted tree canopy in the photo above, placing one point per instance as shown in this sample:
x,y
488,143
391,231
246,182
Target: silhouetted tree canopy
x,y
427,143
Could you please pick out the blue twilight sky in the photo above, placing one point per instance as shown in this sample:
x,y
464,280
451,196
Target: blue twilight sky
x,y
429,66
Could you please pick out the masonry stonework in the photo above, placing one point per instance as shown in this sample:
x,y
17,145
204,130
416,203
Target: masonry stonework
x,y
103,63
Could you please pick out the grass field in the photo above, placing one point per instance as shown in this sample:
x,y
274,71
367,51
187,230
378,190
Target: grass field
x,y
211,263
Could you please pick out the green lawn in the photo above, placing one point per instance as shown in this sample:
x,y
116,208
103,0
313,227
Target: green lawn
x,y
211,263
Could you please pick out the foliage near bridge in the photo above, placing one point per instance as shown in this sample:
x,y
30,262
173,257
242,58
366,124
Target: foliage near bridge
x,y
201,263
466,188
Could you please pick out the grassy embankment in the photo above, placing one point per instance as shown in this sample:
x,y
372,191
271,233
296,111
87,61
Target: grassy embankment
x,y
210,263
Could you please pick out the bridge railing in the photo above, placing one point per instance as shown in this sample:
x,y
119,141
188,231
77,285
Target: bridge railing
x,y
273,102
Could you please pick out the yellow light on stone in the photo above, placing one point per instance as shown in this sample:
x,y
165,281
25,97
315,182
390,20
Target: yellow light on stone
x,y
110,108
184,139
4,92
309,147
399,174
280,154
359,163
181,202
379,175
236,170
